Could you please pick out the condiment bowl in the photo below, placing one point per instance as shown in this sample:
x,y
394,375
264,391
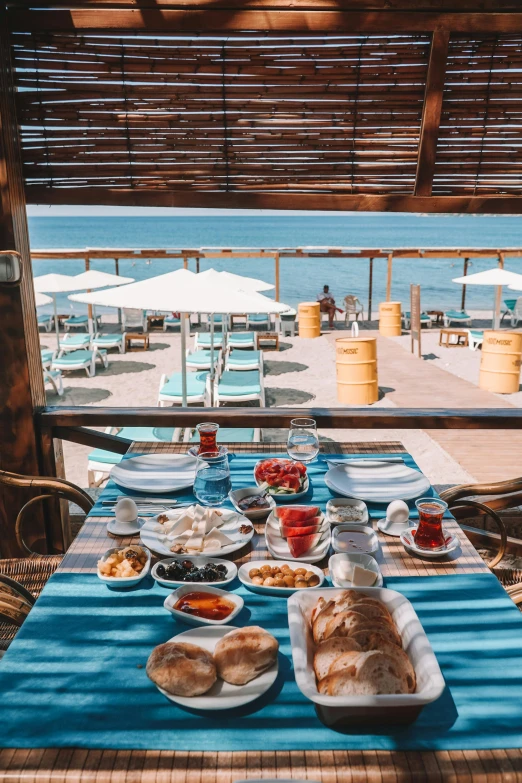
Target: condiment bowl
x,y
244,578
365,561
191,619
199,561
124,581
236,495
369,542
336,503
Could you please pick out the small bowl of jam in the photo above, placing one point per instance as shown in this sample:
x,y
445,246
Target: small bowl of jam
x,y
203,605
252,503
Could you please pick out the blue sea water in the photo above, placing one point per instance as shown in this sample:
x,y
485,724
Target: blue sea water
x,y
300,279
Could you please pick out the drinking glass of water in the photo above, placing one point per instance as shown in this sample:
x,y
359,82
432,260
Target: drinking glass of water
x,y
303,441
212,483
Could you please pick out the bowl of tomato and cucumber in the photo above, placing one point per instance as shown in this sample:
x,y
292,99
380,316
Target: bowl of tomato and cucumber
x,y
283,479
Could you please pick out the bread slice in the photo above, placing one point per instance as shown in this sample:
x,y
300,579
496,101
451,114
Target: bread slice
x,y
364,599
364,674
379,626
321,604
343,623
328,610
329,650
373,611
376,641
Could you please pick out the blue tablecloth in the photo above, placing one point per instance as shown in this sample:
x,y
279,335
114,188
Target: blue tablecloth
x,y
241,473
75,677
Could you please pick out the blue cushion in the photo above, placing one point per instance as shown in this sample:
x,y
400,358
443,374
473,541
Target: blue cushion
x,y
44,319
170,319
75,339
108,339
455,315
258,317
195,384
201,357
242,358
233,384
510,303
47,354
204,339
228,435
240,338
75,357
77,319
478,334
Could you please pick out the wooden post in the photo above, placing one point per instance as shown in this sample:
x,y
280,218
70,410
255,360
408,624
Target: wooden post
x,y
370,290
197,265
185,262
276,259
89,306
21,378
463,302
389,277
498,297
117,270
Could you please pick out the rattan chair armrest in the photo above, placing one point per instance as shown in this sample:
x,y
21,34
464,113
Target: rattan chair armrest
x,y
11,586
495,488
489,511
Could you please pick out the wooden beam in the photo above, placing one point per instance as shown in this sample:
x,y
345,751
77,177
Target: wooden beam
x,y
431,113
93,439
216,21
506,205
21,378
310,5
326,418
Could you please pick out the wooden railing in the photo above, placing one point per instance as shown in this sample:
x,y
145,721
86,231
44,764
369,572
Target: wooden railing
x,y
75,423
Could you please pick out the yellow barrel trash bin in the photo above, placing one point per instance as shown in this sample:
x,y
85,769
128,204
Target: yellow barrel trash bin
x,y
500,362
390,319
356,365
309,319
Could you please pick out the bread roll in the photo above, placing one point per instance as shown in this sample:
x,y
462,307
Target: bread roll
x,y
329,650
243,654
182,669
364,674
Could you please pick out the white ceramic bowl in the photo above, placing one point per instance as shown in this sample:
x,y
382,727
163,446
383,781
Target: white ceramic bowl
x,y
122,581
284,497
236,495
366,561
198,560
281,591
339,502
371,546
190,619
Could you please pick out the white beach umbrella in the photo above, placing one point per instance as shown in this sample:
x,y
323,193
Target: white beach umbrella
x,y
496,277
41,299
92,278
184,292
249,284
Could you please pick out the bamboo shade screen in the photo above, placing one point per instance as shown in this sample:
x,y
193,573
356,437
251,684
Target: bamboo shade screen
x,y
479,150
265,114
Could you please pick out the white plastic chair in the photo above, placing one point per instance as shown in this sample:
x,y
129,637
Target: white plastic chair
x,y
352,306
133,319
116,340
516,315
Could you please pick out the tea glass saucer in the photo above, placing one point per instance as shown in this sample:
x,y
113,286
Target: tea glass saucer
x,y
408,542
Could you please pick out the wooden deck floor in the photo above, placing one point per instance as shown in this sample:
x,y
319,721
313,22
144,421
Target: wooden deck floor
x,y
487,455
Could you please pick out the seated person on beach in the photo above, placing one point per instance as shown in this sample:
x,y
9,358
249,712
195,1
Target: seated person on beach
x,y
327,303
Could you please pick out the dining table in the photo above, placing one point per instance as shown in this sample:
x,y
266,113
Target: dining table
x,y
76,704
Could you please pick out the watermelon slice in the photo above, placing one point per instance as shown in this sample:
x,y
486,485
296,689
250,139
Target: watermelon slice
x,y
292,515
300,545
288,532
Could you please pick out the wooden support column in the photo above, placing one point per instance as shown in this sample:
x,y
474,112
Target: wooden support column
x,y
21,378
498,296
431,113
389,277
370,289
277,291
197,265
464,273
185,262
89,306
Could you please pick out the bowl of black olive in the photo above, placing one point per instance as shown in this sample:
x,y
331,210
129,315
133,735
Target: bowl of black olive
x,y
195,569
252,503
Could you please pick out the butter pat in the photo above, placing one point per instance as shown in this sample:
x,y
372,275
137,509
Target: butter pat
x,y
362,577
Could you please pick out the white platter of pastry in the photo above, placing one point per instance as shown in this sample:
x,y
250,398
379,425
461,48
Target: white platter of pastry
x,y
190,669
197,531
362,654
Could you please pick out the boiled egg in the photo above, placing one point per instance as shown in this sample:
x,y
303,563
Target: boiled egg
x,y
397,512
126,511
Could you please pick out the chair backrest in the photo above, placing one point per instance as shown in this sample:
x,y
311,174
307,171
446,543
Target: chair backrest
x,y
350,303
518,307
132,318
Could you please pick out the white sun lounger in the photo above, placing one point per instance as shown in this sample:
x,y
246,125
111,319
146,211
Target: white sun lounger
x,y
46,320
475,338
81,360
203,340
241,340
259,319
456,317
235,386
47,357
170,322
171,392
107,341
76,322
200,360
244,360
53,378
72,342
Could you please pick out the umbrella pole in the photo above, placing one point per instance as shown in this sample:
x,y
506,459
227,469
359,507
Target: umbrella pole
x,y
212,359
183,360
56,328
496,308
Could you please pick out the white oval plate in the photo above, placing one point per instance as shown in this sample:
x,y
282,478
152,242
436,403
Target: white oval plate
x,y
230,527
394,529
452,543
275,523
281,591
278,547
155,473
199,560
379,483
285,497
222,695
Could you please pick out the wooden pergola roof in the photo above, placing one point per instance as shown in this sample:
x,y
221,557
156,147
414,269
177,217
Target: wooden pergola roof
x,y
406,105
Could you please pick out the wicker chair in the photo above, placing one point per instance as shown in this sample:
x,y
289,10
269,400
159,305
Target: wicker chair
x,y
498,496
22,579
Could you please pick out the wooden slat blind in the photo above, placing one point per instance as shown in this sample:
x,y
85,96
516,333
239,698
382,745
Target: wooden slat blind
x,y
336,114
479,148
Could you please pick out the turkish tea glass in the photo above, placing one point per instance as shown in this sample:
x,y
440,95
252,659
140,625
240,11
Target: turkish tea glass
x,y
429,534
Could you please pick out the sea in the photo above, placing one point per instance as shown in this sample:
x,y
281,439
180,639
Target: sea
x,y
300,279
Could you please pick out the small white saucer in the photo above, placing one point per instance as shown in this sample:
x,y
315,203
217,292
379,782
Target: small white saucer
x,y
408,542
395,529
126,529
